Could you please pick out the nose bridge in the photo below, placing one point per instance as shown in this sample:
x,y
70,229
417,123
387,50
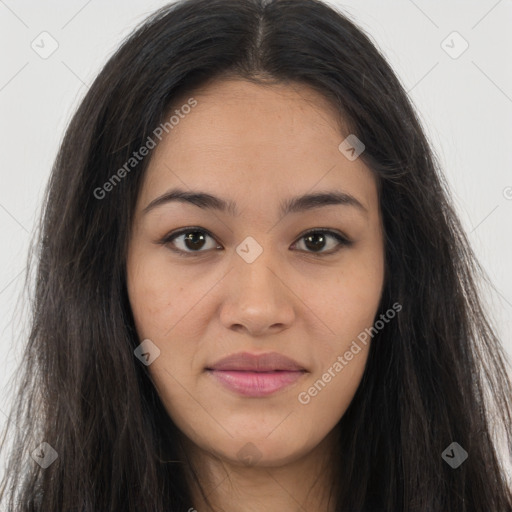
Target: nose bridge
x,y
253,264
257,297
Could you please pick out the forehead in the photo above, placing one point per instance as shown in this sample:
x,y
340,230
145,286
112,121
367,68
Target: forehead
x,y
261,139
292,112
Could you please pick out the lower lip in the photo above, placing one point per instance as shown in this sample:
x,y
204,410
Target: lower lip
x,y
256,384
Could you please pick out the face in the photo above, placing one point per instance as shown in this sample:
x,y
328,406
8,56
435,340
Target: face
x,y
239,273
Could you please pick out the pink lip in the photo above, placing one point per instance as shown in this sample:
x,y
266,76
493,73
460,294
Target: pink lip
x,y
256,375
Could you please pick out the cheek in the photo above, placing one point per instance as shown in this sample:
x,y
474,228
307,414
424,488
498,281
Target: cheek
x,y
153,293
328,393
167,309
346,303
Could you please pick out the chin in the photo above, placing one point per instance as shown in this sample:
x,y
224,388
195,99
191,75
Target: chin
x,y
246,451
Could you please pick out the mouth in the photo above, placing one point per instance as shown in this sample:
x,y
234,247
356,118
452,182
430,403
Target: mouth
x,y
255,375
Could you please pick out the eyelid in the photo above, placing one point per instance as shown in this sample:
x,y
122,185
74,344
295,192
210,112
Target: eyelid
x,y
343,240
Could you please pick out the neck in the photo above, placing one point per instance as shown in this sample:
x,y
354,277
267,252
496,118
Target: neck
x,y
303,484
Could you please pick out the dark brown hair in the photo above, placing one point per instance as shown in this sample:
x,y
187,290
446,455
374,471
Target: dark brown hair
x,y
436,375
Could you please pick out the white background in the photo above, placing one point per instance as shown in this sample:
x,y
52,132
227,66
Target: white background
x,y
464,103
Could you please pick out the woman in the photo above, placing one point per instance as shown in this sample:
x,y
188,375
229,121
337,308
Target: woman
x,y
253,292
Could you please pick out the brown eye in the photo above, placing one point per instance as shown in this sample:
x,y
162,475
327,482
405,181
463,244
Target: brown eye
x,y
316,241
190,241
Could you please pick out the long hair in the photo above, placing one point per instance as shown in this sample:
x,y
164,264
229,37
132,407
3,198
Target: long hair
x,y
436,375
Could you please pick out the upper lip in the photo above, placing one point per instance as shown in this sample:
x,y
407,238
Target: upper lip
x,y
245,361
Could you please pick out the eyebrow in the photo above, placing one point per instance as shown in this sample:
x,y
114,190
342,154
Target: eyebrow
x,y
293,205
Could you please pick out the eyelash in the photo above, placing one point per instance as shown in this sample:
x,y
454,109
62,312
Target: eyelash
x,y
168,239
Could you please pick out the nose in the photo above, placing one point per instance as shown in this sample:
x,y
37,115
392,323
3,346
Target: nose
x,y
258,299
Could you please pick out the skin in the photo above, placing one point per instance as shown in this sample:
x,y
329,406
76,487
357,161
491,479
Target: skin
x,y
257,146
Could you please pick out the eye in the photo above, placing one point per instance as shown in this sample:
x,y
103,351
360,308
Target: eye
x,y
188,241
316,240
